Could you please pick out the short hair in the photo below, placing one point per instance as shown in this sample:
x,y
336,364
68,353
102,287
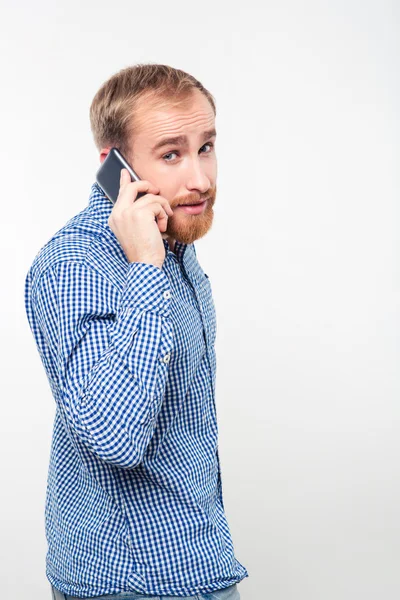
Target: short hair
x,y
113,107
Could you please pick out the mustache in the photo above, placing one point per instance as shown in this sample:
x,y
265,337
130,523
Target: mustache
x,y
191,199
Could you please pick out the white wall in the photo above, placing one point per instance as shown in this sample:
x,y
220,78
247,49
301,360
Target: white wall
x,y
302,256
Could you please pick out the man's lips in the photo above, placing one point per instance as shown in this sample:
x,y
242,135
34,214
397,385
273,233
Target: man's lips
x,y
194,203
193,209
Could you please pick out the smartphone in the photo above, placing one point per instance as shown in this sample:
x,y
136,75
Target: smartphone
x,y
109,175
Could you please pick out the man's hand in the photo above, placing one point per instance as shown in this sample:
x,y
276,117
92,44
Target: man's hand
x,y
133,221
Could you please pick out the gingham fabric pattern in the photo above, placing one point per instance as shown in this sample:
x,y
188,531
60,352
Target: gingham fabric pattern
x,y
134,497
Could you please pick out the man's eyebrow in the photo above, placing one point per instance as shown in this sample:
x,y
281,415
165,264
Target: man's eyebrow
x,y
181,140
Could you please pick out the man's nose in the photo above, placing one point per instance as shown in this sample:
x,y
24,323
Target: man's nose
x,y
197,178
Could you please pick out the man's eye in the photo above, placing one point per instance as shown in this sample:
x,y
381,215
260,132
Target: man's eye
x,y
208,144
165,157
169,154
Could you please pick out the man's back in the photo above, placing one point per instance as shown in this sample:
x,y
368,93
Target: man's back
x,y
134,498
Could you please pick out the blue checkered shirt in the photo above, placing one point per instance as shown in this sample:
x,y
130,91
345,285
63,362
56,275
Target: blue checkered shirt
x,y
134,498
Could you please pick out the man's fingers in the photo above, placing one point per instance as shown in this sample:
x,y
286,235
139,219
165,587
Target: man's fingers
x,y
129,190
128,194
161,215
153,198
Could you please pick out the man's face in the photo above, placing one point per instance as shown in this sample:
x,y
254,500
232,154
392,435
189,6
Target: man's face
x,y
184,170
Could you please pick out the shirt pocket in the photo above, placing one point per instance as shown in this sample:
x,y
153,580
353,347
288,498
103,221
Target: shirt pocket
x,y
188,330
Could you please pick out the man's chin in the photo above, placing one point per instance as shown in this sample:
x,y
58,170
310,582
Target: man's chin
x,y
191,227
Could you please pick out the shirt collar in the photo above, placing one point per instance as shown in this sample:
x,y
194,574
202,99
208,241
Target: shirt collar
x,y
100,207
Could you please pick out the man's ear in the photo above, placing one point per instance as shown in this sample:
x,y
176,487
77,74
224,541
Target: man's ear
x,y
103,154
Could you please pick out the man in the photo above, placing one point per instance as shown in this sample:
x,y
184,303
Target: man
x,y
124,321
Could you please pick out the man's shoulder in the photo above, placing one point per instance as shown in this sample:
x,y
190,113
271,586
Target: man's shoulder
x,y
81,240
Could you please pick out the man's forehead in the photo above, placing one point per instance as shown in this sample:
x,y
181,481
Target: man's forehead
x,y
154,120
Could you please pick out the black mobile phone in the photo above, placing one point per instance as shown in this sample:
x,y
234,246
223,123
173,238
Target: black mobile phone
x,y
109,175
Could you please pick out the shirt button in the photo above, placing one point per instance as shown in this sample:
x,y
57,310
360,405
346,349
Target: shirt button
x,y
166,358
167,295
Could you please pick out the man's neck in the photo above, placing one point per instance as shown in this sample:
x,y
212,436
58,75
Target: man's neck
x,y
170,240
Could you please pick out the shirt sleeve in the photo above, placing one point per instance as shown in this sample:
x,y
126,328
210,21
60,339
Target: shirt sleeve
x,y
110,353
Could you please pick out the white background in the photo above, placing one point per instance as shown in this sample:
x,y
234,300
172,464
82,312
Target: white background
x,y
302,257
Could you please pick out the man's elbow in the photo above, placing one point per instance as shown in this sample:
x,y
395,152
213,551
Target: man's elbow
x,y
123,455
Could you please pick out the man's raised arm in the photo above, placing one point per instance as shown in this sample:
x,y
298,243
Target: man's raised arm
x,y
106,354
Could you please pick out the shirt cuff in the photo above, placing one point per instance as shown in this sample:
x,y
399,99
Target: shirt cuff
x,y
147,287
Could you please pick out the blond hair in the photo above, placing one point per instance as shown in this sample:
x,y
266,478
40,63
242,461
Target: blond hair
x,y
113,107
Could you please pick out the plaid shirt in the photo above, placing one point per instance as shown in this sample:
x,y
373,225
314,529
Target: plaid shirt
x,y
134,498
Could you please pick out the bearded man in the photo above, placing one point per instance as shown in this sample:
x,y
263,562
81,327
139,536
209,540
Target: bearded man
x,y
124,321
